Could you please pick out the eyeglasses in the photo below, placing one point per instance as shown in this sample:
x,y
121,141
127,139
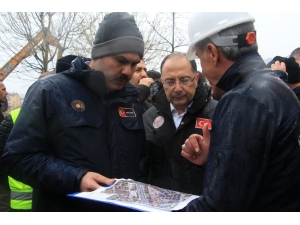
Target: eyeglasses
x,y
183,81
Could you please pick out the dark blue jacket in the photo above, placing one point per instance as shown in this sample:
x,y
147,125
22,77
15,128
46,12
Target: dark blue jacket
x,y
64,130
254,158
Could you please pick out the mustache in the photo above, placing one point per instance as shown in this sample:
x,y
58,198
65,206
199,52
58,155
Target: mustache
x,y
122,77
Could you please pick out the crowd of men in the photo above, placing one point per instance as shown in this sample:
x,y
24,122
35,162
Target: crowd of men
x,y
106,117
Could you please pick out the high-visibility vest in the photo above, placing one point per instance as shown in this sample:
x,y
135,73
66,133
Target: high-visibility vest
x,y
20,193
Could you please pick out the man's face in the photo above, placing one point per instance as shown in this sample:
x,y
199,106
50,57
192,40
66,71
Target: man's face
x,y
180,95
118,69
139,73
213,67
3,93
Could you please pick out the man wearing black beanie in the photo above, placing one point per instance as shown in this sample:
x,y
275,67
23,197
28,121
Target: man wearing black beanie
x,y
81,128
288,71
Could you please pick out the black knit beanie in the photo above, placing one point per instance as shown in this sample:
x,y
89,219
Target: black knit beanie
x,y
117,33
153,74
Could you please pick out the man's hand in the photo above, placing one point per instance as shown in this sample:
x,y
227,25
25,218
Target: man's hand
x,y
278,66
196,147
92,181
146,81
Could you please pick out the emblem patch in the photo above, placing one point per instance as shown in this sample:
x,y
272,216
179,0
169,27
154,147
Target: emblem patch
x,y
201,121
78,105
158,122
126,112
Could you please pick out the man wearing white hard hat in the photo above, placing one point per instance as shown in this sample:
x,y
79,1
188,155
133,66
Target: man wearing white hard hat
x,y
252,152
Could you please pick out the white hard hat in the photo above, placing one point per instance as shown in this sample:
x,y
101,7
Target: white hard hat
x,y
207,24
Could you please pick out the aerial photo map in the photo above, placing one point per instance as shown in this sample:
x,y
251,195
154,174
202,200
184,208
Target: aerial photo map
x,y
141,196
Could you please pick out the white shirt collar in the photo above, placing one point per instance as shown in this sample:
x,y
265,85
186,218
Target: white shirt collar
x,y
177,118
174,111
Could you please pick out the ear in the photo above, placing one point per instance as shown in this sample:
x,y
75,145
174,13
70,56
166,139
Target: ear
x,y
212,53
197,76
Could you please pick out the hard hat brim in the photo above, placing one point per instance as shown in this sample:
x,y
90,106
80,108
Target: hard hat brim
x,y
191,53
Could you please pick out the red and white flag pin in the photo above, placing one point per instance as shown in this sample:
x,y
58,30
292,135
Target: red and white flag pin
x,y
201,121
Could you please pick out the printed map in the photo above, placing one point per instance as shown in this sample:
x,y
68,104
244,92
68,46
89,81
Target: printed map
x,y
145,197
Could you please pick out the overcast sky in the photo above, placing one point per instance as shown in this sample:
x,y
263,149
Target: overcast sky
x,y
278,33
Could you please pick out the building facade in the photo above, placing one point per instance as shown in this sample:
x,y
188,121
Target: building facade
x,y
14,101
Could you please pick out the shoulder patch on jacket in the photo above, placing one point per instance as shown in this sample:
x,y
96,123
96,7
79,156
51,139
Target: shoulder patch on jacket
x,y
78,105
158,122
126,112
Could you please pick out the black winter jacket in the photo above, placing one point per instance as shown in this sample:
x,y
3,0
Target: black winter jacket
x,y
66,128
254,158
297,92
5,129
283,76
167,168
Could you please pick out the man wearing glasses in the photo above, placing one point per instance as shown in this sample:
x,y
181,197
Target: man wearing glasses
x,y
177,112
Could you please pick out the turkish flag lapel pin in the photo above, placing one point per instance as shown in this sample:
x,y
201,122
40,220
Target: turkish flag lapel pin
x,y
201,121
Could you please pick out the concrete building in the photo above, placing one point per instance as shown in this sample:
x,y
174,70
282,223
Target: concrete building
x,y
14,101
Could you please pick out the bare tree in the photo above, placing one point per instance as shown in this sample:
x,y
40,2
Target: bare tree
x,y
47,34
154,49
87,28
170,33
73,33
163,34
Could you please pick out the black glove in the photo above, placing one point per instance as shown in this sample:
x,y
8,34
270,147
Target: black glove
x,y
292,68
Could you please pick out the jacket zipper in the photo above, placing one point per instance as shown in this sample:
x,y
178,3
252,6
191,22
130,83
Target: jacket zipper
x,y
216,165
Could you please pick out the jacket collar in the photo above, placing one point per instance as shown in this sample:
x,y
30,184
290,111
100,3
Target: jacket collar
x,y
249,64
77,67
